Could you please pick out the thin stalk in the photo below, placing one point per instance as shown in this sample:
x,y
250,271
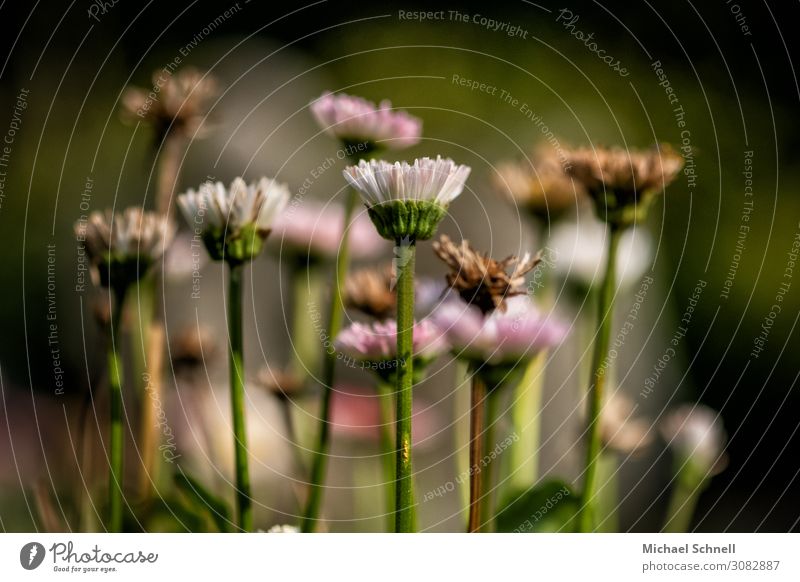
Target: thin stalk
x,y
116,442
461,400
335,315
304,280
682,504
489,472
150,329
404,492
244,503
604,321
387,448
476,424
608,496
527,421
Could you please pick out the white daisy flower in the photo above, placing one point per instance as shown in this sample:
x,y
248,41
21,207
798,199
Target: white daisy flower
x,y
240,205
129,242
440,180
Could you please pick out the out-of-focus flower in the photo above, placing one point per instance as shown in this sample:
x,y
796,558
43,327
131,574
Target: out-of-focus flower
x,y
507,337
407,200
539,186
622,182
580,253
354,120
177,102
369,291
314,230
192,349
284,529
281,383
377,342
481,280
619,430
429,293
184,258
234,221
696,435
122,247
355,414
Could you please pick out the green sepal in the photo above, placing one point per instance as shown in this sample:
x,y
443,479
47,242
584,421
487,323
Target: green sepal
x,y
622,209
122,270
407,219
235,246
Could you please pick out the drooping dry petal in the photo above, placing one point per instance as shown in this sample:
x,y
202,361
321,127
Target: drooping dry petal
x,y
480,279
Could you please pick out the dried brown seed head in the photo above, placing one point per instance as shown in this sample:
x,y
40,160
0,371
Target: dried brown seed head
x,y
280,383
480,279
370,292
192,349
539,186
177,102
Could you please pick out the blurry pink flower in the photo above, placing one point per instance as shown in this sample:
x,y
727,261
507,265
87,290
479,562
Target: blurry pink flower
x,y
378,341
355,413
501,337
315,229
353,119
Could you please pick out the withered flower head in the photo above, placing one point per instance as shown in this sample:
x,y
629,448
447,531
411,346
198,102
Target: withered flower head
x,y
369,291
177,102
280,383
481,280
540,186
192,348
622,182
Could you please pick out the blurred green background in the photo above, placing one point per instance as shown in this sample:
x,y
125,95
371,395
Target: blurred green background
x,y
738,91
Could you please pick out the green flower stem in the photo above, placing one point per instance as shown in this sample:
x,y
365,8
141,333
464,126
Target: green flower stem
x,y
461,400
335,314
608,496
489,472
476,423
387,447
244,503
527,421
116,443
305,283
404,492
683,501
604,322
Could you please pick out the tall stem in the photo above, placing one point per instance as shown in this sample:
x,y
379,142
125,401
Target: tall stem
x,y
243,501
404,492
387,448
526,416
305,282
476,424
683,502
489,472
335,314
115,437
596,386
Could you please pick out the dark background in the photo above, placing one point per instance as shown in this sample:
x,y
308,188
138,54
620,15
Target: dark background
x,y
739,92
